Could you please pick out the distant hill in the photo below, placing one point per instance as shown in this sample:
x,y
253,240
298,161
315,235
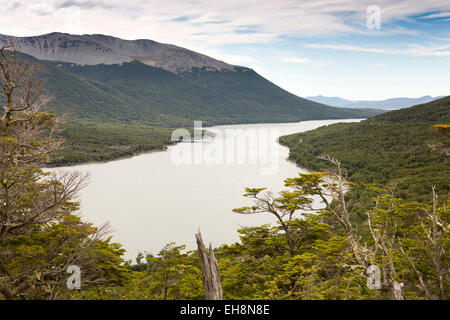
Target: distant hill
x,y
388,104
391,147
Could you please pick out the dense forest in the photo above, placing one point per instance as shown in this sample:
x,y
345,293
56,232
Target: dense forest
x,y
309,252
397,147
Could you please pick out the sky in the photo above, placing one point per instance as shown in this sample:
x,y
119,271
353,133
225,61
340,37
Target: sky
x,y
375,49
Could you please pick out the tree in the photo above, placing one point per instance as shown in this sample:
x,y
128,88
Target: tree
x,y
283,208
407,240
415,235
40,232
173,275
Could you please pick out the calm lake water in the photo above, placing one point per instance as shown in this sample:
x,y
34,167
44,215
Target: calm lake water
x,y
157,198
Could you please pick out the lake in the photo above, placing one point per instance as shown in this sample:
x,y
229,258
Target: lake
x,y
161,197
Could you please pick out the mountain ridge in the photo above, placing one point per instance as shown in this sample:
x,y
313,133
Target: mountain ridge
x,y
93,49
140,93
387,104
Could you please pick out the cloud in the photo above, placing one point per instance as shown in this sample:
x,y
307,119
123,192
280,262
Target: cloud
x,y
225,22
411,49
41,9
430,50
182,18
14,6
85,4
314,62
236,59
297,60
437,15
323,63
256,67
345,48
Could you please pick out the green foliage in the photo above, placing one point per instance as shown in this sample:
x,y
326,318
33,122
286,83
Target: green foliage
x,y
260,267
323,266
407,238
305,254
389,148
171,275
109,141
41,234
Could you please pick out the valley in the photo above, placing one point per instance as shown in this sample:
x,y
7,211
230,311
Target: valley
x,y
115,108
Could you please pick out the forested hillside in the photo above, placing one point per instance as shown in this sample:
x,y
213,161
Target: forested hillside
x,y
134,92
394,147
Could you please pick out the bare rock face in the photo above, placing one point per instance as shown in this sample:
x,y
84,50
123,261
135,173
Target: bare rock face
x,y
100,49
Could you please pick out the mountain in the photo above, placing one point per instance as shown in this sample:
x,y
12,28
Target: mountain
x,y
101,49
114,90
102,77
393,147
388,104
331,101
135,92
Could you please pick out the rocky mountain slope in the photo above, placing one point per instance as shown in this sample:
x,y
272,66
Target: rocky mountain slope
x,y
101,49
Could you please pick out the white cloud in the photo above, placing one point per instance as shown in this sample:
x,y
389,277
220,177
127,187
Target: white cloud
x,y
41,8
432,50
313,62
256,67
345,47
411,49
217,22
323,63
236,59
297,60
437,15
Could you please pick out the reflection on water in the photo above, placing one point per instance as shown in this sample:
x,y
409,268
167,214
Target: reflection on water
x,y
151,200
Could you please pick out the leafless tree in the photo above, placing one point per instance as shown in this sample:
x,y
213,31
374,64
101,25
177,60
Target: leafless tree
x,y
210,271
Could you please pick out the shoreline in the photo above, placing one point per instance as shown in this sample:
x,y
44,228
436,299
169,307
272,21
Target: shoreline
x,y
166,146
136,154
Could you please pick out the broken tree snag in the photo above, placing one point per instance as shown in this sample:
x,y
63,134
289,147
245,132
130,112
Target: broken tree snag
x,y
397,291
210,271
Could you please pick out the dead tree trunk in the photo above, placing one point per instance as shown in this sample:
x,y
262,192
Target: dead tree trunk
x,y
397,291
210,271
